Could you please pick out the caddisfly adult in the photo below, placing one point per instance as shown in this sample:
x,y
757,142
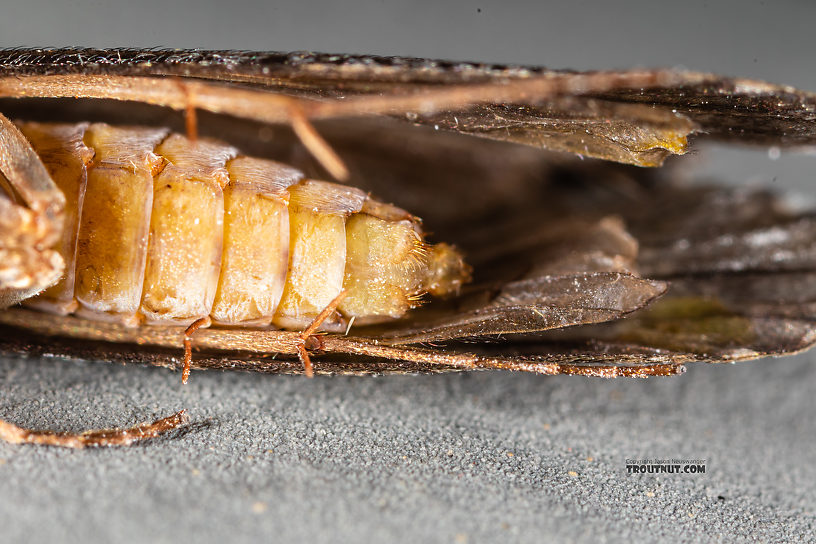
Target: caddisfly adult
x,y
130,235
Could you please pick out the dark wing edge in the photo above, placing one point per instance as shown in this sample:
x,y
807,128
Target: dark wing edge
x,y
636,117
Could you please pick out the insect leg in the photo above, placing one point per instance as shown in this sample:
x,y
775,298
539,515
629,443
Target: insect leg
x,y
315,143
97,438
308,333
190,115
303,339
27,232
188,345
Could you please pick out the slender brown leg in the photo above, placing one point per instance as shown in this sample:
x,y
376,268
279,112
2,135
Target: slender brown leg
x,y
308,332
302,348
103,437
190,115
316,145
191,122
188,345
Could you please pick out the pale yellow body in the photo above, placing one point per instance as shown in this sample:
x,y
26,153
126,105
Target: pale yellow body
x,y
164,230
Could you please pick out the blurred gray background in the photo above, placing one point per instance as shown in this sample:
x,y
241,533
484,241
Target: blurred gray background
x,y
458,458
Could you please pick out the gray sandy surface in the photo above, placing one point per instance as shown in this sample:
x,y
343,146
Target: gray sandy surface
x,y
457,458
463,457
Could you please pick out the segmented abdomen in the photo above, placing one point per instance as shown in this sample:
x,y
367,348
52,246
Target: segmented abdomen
x,y
161,229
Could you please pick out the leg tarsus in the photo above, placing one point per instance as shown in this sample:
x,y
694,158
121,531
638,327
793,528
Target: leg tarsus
x,y
303,355
105,437
188,345
308,332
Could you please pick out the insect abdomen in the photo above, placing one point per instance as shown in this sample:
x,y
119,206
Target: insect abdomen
x,y
161,229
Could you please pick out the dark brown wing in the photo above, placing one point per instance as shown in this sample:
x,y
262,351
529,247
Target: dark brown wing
x,y
637,117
